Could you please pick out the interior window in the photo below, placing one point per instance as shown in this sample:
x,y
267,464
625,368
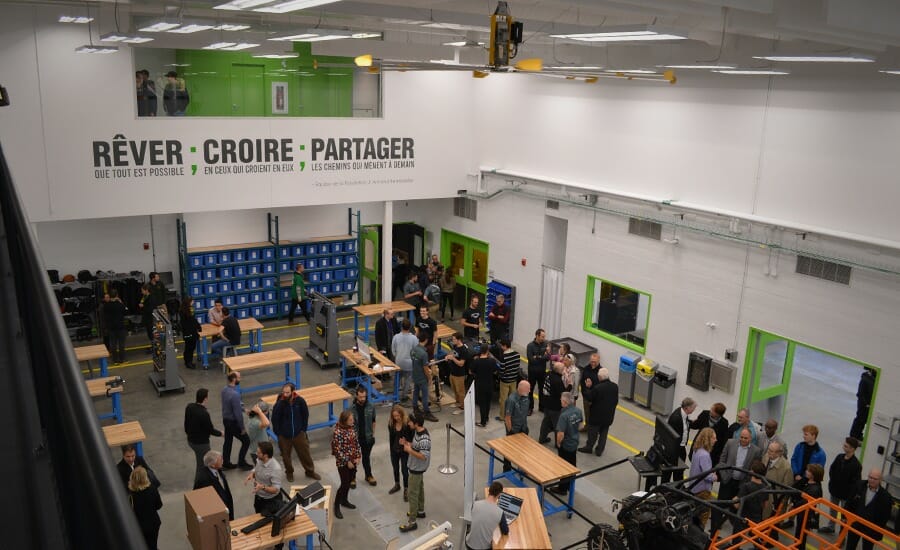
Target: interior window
x,y
618,313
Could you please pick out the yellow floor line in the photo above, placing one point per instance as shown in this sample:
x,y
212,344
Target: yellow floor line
x,y
633,414
622,444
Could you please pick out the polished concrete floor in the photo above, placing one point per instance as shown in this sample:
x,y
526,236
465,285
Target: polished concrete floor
x,y
375,523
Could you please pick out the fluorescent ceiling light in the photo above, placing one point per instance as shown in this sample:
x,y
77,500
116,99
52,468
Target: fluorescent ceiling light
x,y
218,45
90,48
573,68
159,26
849,58
241,4
708,67
138,39
75,19
230,27
315,36
463,43
455,27
293,5
293,38
630,71
365,35
240,46
752,72
177,65
191,28
277,55
890,71
124,38
629,34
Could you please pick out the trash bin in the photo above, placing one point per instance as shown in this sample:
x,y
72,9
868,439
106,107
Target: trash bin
x,y
643,381
663,398
580,350
627,365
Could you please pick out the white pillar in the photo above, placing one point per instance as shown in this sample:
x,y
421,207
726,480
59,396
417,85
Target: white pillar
x,y
387,246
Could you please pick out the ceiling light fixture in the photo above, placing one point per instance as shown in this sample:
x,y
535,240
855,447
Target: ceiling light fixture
x,y
630,71
314,35
573,68
191,28
754,72
293,5
230,27
455,27
75,19
287,55
890,71
624,34
218,45
90,48
708,67
159,26
815,58
241,4
124,38
365,35
240,46
463,43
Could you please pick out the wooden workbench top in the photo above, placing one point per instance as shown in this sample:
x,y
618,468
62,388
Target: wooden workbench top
x,y
536,460
316,395
262,538
97,386
86,353
262,359
443,331
360,363
223,247
248,324
369,310
327,239
529,530
123,434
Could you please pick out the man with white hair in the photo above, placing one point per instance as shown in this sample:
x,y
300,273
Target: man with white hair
x,y
870,502
588,380
212,475
604,398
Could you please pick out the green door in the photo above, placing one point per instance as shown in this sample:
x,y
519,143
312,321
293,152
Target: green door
x,y
247,90
370,260
767,375
468,259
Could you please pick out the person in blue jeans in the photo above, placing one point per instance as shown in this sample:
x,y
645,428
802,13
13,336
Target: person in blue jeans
x,y
419,356
231,334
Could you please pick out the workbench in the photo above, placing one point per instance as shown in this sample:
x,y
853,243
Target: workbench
x,y
529,530
88,353
314,396
264,359
351,358
248,325
371,310
262,538
97,388
124,434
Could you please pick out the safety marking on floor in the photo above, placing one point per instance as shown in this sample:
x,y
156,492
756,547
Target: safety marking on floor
x,y
633,414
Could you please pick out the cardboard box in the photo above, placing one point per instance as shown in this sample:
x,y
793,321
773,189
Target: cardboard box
x,y
207,520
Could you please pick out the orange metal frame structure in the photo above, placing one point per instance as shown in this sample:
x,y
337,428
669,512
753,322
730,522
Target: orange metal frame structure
x,y
761,535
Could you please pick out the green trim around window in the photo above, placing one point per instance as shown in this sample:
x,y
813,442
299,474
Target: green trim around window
x,y
590,305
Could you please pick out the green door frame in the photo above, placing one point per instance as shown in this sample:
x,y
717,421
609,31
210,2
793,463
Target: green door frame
x,y
754,359
470,244
369,233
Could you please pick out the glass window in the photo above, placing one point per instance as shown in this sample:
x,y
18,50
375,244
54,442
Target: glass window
x,y
618,313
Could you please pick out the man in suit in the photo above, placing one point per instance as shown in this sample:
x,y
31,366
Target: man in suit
x,y
385,329
604,396
212,475
681,424
739,453
130,461
714,418
871,502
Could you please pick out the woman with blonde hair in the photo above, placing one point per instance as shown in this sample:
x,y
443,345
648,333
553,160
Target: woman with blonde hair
x,y
398,428
347,454
145,501
700,463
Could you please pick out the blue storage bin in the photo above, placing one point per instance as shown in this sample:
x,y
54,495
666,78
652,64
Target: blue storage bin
x,y
242,299
285,251
337,248
268,268
256,297
285,293
239,256
311,263
327,275
349,246
252,284
253,254
325,262
195,260
285,308
209,274
312,250
350,260
199,303
224,257
228,300
297,251
271,310
285,266
352,273
239,271
225,287
256,311
210,259
195,290
243,313
340,274
195,276
238,285
324,289
269,295
253,269
268,282
337,260
349,286
268,253
200,318
314,277
226,272
324,248
210,288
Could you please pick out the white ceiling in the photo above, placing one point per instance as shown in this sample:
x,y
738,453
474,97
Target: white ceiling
x,y
724,31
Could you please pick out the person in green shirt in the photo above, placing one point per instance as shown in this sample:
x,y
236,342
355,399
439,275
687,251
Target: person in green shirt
x,y
298,295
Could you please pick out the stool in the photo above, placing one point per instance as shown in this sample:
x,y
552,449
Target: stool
x,y
225,351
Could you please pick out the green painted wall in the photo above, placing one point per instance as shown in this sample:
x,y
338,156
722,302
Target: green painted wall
x,y
227,84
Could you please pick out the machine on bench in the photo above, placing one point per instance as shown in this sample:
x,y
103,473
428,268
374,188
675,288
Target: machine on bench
x,y
165,376
323,332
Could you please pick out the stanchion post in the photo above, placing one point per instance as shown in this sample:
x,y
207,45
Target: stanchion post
x,y
446,467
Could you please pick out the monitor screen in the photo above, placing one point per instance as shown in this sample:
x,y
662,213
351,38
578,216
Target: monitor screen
x,y
363,348
285,515
666,441
166,278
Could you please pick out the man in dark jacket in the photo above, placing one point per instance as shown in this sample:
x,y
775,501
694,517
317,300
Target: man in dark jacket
x,y
231,334
114,322
680,422
871,502
604,396
714,418
130,461
863,400
212,475
198,426
552,392
364,420
290,419
538,353
499,318
385,329
588,380
843,476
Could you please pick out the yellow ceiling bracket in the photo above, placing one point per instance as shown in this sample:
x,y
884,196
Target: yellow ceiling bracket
x,y
363,60
480,74
670,76
531,65
374,70
591,80
315,63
